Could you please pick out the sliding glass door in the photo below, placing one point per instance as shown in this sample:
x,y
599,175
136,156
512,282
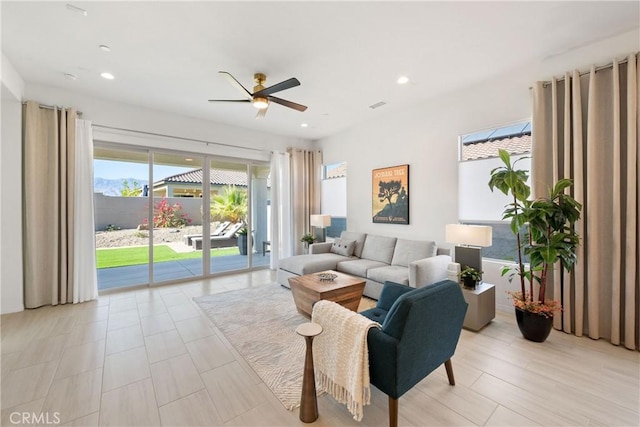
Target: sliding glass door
x,y
190,215
177,216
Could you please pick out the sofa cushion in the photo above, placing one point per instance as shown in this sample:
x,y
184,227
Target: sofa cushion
x,y
379,248
307,264
407,251
358,237
358,267
343,247
391,273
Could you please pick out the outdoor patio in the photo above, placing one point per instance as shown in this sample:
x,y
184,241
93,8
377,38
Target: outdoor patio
x,y
117,277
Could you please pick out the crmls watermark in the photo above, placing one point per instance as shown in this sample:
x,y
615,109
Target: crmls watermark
x,y
35,418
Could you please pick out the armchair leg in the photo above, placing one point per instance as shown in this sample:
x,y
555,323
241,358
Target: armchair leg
x,y
449,369
393,412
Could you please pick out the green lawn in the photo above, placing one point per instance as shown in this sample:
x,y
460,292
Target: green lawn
x,y
120,257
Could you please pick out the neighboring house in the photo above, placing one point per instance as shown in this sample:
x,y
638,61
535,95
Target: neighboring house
x,y
189,184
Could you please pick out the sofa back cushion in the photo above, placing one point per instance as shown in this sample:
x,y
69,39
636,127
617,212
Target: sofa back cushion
x,y
408,251
343,247
379,248
358,237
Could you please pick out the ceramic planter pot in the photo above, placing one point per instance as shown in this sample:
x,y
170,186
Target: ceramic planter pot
x,y
469,282
534,327
242,244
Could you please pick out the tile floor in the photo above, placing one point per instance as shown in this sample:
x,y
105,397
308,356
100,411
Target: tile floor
x,y
150,357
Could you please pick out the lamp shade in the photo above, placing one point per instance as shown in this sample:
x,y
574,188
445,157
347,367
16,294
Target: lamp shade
x,y
320,221
473,235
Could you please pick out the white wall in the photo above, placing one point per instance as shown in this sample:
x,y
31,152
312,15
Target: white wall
x,y
11,191
426,138
114,114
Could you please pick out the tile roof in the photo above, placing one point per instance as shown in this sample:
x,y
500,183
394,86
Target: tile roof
x,y
218,177
485,149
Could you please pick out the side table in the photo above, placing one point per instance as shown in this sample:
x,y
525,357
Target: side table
x,y
308,399
482,306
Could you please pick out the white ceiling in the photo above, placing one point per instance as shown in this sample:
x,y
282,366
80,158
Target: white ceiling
x,y
347,55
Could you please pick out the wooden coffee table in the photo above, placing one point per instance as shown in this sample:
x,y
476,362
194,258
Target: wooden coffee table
x,y
345,290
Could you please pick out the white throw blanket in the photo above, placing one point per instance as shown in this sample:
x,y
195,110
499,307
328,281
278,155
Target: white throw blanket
x,y
341,356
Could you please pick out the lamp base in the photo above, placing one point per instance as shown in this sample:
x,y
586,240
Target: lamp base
x,y
320,234
469,257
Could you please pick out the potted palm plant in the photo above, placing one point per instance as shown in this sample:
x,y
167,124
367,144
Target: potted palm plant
x,y
549,237
242,240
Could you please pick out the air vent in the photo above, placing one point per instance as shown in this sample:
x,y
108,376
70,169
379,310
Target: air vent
x,y
377,105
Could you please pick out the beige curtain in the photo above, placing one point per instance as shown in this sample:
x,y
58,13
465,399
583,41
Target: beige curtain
x,y
48,186
306,174
585,127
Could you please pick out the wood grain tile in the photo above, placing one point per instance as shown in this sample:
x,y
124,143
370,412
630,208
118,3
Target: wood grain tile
x,y
27,384
125,367
232,391
209,353
75,396
183,311
196,409
156,324
81,358
83,333
131,405
124,339
175,378
164,345
193,328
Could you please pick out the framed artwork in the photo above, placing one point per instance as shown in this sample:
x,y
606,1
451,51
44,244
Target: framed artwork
x,y
390,195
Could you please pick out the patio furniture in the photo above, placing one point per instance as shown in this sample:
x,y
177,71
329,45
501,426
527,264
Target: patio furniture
x,y
188,238
227,240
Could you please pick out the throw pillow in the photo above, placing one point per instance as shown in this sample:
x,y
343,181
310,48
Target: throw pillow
x,y
343,247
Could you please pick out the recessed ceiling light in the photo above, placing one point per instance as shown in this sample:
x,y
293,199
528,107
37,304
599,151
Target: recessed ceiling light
x,y
107,76
105,48
70,76
304,125
76,9
188,159
403,80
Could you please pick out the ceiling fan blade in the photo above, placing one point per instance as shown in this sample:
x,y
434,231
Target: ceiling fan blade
x,y
286,103
287,84
261,113
236,84
229,100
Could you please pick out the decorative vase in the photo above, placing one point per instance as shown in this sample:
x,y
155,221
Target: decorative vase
x,y
533,326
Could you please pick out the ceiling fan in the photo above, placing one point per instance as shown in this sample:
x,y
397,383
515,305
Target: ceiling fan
x,y
261,96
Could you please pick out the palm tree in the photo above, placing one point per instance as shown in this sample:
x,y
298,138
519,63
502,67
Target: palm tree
x,y
230,205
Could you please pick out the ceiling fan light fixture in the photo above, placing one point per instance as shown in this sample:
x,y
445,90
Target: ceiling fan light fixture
x,y
260,102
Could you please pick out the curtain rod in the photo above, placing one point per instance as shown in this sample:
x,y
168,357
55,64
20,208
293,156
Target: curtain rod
x,y
584,73
181,137
51,107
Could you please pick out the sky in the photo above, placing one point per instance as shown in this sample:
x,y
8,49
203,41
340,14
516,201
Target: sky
x,y
110,169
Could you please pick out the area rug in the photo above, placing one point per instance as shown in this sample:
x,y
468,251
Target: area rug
x,y
260,323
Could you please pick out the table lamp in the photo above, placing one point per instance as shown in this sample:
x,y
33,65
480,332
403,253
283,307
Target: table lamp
x,y
319,224
473,238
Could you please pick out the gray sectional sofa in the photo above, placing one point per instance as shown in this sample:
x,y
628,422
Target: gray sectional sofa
x,y
414,263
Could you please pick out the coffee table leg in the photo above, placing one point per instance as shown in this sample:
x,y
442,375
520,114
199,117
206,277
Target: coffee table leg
x,y
308,400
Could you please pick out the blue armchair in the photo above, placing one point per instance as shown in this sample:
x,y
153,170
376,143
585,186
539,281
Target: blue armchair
x,y
420,331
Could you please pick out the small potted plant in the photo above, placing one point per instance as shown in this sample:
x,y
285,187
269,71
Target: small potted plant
x,y
470,277
307,239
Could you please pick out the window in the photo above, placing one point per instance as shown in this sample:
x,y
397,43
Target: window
x,y
476,203
334,197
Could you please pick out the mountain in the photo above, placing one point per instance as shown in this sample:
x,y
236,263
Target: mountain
x,y
112,187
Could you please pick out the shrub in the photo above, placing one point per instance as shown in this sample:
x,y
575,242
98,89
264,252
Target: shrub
x,y
169,216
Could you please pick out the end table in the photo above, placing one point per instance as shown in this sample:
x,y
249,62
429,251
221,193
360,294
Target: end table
x,y
482,306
